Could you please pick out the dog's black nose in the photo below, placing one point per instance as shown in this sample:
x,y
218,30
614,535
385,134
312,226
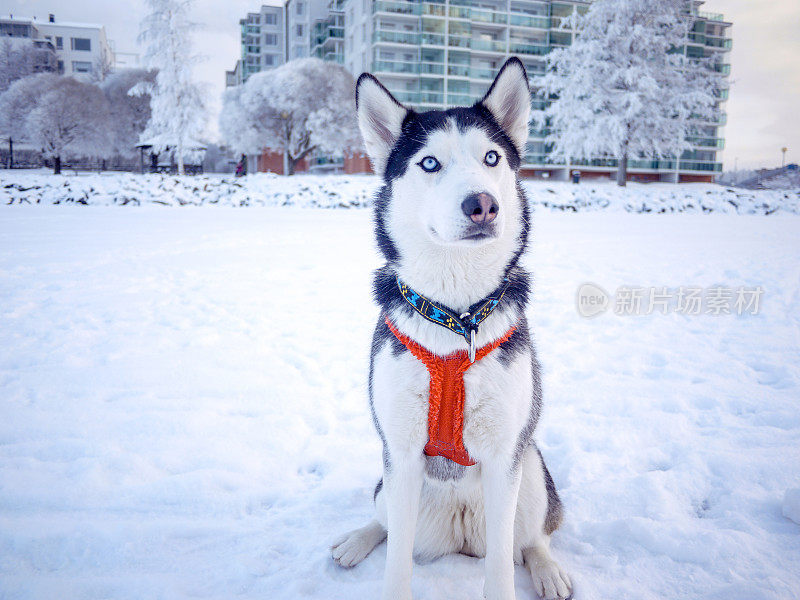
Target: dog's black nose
x,y
481,208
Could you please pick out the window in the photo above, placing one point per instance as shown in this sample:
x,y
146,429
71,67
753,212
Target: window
x,y
299,51
61,67
81,67
300,8
299,30
82,44
59,43
270,39
270,19
269,60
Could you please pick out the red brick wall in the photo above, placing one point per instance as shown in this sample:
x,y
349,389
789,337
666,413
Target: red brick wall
x,y
272,162
697,179
357,163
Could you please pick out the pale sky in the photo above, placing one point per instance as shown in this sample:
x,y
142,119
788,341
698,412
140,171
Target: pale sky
x,y
763,110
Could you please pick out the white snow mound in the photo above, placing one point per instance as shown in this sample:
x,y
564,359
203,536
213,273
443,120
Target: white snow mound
x,y
357,191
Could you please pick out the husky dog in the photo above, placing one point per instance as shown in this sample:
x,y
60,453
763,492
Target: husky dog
x,y
452,222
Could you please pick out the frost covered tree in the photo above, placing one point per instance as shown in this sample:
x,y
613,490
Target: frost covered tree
x,y
20,58
70,118
298,108
176,101
18,101
129,113
624,88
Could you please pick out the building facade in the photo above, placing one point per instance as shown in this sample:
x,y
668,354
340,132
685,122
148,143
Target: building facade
x,y
81,50
280,31
440,53
434,54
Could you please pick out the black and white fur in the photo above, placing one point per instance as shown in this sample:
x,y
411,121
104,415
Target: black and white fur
x,y
506,507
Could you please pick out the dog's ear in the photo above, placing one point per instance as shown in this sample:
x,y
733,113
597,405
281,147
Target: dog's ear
x,y
380,118
509,101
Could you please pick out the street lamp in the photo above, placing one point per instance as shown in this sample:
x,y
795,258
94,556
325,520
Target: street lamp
x,y
783,162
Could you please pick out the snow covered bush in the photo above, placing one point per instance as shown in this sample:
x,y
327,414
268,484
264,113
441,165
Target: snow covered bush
x,y
621,89
176,101
296,109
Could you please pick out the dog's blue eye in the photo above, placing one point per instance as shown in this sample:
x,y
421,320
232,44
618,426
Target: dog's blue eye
x,y
430,164
491,158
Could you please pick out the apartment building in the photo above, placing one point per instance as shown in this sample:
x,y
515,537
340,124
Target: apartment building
x,y
280,31
439,53
327,36
81,50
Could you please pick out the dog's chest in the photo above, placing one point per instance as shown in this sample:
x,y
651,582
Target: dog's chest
x,y
496,401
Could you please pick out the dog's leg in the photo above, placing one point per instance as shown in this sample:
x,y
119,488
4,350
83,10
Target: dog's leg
x,y
402,485
354,547
500,492
549,581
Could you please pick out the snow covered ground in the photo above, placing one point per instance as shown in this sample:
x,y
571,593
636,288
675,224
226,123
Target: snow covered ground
x,y
356,191
183,407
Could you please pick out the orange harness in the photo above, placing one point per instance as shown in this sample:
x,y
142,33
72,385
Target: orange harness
x,y
446,397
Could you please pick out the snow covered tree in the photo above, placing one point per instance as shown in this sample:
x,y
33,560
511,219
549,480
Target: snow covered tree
x,y
70,119
625,88
298,108
19,58
18,101
176,101
129,114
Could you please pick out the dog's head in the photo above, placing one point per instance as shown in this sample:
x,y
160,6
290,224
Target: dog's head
x,y
450,176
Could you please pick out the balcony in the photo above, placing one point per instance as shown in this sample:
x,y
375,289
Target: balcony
x,y
536,159
460,100
405,96
489,16
488,45
711,16
431,98
386,66
396,37
531,49
519,20
458,42
707,142
433,39
431,69
434,10
397,8
476,73
722,68
456,12
691,165
458,70
718,42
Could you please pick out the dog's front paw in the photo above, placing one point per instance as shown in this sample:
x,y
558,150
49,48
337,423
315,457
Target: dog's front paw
x,y
549,581
354,547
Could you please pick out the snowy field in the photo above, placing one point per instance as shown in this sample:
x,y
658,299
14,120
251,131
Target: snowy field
x,y
183,406
356,191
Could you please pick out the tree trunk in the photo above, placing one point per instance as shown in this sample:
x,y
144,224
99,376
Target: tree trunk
x,y
181,168
622,171
288,167
57,165
10,153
